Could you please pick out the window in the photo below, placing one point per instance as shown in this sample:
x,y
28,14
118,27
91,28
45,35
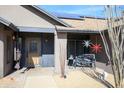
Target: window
x,y
33,47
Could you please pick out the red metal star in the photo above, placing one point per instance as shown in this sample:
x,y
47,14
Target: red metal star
x,y
96,48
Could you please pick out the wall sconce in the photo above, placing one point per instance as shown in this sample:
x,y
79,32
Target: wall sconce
x,y
46,40
13,37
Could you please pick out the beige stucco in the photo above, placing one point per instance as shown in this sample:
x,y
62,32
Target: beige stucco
x,y
60,50
5,67
1,52
20,16
8,66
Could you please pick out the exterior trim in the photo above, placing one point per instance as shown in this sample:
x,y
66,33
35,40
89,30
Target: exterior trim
x,y
92,17
5,22
36,29
78,31
9,24
71,18
75,30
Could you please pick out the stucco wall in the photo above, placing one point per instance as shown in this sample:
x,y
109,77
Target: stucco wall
x,y
20,16
1,52
60,54
5,67
8,66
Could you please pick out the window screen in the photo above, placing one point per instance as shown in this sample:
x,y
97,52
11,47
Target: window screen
x,y
33,47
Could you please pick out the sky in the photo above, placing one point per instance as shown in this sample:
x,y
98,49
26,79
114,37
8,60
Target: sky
x,y
82,10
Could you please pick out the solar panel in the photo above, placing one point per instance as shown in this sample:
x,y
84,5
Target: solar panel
x,y
74,16
65,15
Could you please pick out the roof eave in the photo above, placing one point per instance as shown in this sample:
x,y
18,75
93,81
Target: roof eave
x,y
53,17
74,30
9,24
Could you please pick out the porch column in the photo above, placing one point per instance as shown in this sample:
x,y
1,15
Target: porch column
x,y
60,52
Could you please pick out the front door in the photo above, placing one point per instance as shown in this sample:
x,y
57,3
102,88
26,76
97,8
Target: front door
x,y
33,51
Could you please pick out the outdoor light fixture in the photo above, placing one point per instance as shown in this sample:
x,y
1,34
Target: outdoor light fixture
x,y
46,40
13,37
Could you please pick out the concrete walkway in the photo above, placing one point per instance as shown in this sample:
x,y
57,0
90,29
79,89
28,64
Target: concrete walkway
x,y
40,82
46,78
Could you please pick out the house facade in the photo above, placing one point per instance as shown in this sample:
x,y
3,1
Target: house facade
x,y
43,39
6,48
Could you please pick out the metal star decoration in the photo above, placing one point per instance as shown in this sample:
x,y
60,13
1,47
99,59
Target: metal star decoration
x,y
87,43
96,48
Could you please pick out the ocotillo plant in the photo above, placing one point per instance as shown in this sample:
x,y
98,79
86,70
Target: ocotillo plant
x,y
115,47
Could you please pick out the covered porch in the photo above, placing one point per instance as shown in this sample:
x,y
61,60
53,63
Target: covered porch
x,y
68,41
37,49
76,45
52,47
